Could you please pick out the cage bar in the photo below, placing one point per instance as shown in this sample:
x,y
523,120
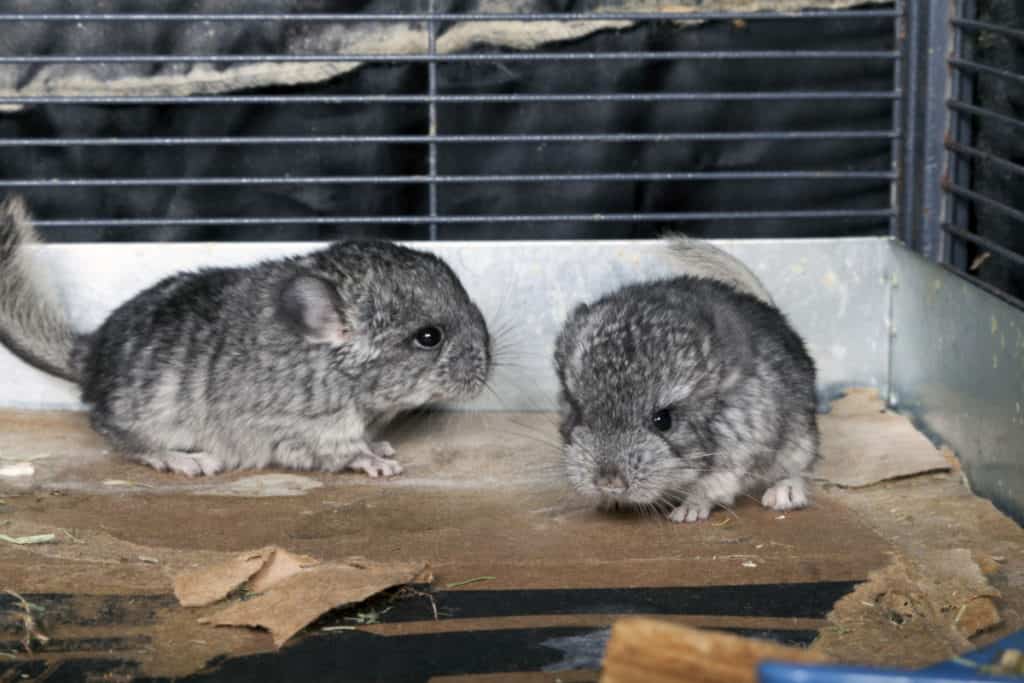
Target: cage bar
x,y
843,214
443,16
905,53
974,25
979,198
461,99
453,179
988,157
992,246
974,110
460,57
432,121
738,136
1005,74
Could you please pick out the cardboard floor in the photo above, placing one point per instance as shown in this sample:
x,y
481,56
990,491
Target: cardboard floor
x,y
895,562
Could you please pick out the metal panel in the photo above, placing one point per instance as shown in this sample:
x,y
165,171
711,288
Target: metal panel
x,y
958,367
835,292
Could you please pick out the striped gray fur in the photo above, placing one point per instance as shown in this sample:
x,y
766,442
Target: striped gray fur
x,y
32,322
684,393
291,362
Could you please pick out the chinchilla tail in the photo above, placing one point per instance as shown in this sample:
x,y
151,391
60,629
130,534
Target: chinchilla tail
x,y
33,325
702,259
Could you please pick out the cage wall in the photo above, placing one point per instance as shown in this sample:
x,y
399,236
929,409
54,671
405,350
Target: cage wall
x,y
444,120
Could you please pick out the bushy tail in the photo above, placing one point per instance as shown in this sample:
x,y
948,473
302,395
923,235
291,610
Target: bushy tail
x,y
32,323
702,259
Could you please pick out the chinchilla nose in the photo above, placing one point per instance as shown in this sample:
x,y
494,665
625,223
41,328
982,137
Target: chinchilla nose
x,y
609,477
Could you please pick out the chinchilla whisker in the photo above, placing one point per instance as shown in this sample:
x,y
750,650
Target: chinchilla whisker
x,y
730,510
532,438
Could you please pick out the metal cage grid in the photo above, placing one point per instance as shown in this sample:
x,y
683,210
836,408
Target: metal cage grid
x,y
934,200
966,244
435,142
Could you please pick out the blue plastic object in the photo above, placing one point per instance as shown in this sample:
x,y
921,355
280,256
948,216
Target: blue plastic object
x,y
954,671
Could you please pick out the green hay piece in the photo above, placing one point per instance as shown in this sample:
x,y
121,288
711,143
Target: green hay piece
x,y
367,618
29,540
475,579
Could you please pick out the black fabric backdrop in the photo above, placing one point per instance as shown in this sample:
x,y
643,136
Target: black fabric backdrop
x,y
518,158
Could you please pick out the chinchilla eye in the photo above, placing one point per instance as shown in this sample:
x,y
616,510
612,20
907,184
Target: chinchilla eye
x,y
662,420
428,337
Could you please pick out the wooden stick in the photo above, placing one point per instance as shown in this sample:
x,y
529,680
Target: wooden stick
x,y
643,650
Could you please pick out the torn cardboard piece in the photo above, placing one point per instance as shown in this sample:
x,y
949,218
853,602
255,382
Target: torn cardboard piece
x,y
958,587
288,592
299,600
260,568
913,613
863,444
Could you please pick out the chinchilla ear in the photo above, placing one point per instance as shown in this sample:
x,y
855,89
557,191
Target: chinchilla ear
x,y
567,335
312,307
734,340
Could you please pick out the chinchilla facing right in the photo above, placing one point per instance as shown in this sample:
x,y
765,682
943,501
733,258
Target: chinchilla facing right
x,y
291,362
684,393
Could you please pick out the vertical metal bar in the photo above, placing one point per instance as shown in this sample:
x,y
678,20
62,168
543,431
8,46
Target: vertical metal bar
x,y
935,124
901,38
924,79
958,169
432,114
901,150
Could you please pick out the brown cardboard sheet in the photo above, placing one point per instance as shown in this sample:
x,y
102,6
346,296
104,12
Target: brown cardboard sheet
x,y
481,496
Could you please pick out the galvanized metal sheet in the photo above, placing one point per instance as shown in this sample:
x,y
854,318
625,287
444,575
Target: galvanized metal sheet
x,y
958,367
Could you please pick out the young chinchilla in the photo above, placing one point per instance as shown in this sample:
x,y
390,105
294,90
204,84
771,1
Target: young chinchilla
x,y
288,362
683,393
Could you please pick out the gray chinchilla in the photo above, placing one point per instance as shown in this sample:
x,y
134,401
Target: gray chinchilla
x,y
682,394
289,362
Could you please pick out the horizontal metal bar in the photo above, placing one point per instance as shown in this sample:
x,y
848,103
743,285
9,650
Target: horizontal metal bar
x,y
460,99
843,214
469,16
485,58
973,25
449,179
988,70
985,243
976,153
993,204
984,113
453,139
